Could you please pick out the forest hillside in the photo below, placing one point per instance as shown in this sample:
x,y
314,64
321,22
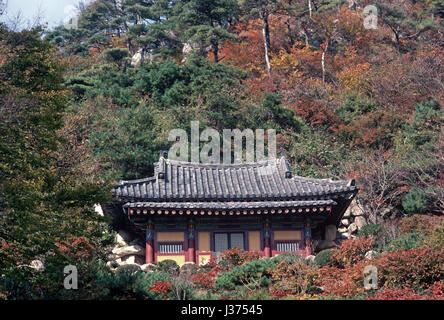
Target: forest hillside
x,y
90,103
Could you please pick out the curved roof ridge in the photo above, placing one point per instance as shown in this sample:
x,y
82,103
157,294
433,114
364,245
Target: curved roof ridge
x,y
123,182
220,165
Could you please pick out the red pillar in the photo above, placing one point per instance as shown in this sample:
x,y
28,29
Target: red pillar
x,y
267,240
149,251
307,237
191,254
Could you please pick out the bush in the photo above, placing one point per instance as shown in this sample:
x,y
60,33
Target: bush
x,y
290,257
344,282
206,275
419,223
436,238
395,294
431,227
415,201
293,278
252,275
129,268
248,294
371,230
405,242
188,270
182,289
168,266
236,257
127,283
162,288
323,258
417,268
351,251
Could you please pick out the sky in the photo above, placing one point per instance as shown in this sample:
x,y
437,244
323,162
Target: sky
x,y
53,11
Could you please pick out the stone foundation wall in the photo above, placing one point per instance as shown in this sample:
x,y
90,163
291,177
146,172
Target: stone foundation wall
x,y
353,220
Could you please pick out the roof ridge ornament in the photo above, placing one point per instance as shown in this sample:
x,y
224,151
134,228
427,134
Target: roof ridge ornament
x,y
283,162
162,165
351,183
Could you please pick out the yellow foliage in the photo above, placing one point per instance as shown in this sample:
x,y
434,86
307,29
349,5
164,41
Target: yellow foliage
x,y
350,77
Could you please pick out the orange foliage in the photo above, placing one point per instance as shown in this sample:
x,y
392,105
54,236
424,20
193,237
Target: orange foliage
x,y
248,52
313,112
76,247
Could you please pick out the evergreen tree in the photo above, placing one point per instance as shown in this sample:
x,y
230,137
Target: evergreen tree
x,y
44,206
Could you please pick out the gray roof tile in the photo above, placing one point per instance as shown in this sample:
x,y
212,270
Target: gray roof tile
x,y
230,204
266,180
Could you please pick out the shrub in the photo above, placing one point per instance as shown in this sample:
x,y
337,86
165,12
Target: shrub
x,y
168,266
405,242
236,257
323,258
252,275
162,288
232,257
436,238
182,289
415,201
432,227
417,223
344,282
188,270
126,283
128,268
417,268
290,257
371,230
206,275
248,294
436,291
405,293
351,251
294,278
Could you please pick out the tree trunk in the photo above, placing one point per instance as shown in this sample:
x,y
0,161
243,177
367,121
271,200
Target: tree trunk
x,y
266,35
309,7
323,61
215,45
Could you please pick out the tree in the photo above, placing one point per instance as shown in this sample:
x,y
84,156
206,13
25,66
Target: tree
x,y
262,9
42,203
117,55
205,23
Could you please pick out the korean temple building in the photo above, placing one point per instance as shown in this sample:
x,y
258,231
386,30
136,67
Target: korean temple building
x,y
191,212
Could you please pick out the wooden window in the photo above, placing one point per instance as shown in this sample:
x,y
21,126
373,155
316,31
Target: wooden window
x,y
170,247
285,246
228,240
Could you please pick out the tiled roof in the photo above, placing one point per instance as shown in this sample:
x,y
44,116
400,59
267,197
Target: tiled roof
x,y
271,180
231,204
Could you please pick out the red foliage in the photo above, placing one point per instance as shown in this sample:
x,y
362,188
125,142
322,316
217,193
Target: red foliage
x,y
237,257
279,293
372,131
351,251
76,247
161,287
405,293
420,223
205,279
417,268
314,113
347,282
436,291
